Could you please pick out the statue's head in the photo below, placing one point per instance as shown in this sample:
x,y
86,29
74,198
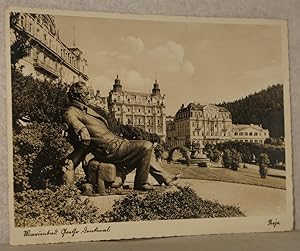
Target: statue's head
x,y
79,92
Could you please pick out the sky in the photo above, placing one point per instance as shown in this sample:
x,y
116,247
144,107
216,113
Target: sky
x,y
192,62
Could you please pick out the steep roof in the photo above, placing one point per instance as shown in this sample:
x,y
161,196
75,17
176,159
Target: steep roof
x,y
245,126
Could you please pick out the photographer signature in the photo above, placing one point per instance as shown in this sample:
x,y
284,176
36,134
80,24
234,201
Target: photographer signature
x,y
273,223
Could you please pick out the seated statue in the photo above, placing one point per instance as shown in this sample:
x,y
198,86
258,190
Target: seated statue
x,y
92,135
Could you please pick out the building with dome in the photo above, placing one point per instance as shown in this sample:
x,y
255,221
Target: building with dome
x,y
143,110
49,58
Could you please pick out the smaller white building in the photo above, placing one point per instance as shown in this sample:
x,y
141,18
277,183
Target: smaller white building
x,y
249,133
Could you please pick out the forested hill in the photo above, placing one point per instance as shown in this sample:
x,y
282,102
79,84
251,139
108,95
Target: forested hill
x,y
264,107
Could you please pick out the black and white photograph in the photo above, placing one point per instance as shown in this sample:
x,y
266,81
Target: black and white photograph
x,y
136,126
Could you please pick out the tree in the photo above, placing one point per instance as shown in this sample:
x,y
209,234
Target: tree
x,y
227,158
263,161
216,155
235,160
264,107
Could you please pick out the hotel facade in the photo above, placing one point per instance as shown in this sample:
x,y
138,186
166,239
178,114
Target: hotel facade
x,y
49,58
143,110
209,124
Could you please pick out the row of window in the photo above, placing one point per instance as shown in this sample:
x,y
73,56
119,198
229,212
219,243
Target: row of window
x,y
138,110
138,100
212,125
141,122
251,141
199,133
249,134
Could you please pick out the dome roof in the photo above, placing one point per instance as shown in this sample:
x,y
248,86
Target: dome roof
x,y
49,22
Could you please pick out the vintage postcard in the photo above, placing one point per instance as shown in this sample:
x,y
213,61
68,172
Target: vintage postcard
x,y
130,126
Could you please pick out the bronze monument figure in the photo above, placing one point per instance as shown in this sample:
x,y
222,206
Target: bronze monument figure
x,y
114,156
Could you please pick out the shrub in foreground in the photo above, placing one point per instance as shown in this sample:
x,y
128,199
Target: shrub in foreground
x,y
181,204
53,206
63,205
39,150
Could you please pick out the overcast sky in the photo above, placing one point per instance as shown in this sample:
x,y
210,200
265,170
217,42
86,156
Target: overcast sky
x,y
202,62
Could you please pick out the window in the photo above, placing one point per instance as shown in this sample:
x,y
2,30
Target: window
x,y
128,100
149,111
118,109
246,133
158,111
250,133
139,121
139,110
235,133
240,133
128,110
255,134
149,121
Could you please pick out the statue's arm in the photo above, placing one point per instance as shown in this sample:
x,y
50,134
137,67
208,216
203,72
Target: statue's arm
x,y
72,118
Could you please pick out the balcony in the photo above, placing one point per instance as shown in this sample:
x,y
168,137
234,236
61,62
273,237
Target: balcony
x,y
42,67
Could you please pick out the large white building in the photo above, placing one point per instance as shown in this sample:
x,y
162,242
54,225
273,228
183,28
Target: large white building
x,y
209,124
49,58
249,133
199,123
143,110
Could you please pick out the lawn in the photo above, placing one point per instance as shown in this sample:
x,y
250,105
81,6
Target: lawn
x,y
248,176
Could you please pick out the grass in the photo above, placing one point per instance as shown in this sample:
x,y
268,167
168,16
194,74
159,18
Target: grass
x,y
248,176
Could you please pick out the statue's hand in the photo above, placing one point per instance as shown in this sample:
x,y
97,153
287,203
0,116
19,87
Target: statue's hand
x,y
84,136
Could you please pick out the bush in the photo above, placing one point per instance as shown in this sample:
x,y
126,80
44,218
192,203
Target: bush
x,y
213,154
52,207
235,160
39,150
231,159
63,206
227,158
41,101
182,204
216,155
276,153
263,161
